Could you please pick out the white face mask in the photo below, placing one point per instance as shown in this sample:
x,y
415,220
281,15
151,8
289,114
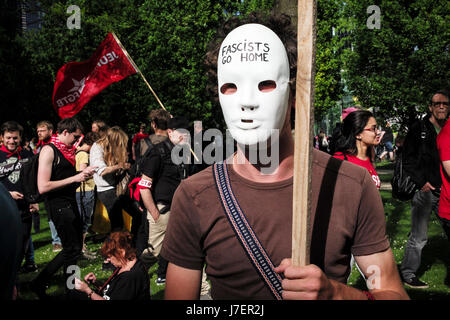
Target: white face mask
x,y
253,82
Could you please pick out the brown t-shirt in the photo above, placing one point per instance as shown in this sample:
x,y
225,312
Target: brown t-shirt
x,y
347,217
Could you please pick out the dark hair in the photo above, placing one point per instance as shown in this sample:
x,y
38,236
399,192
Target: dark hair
x,y
90,138
345,137
444,92
69,124
278,23
100,123
160,118
10,126
116,241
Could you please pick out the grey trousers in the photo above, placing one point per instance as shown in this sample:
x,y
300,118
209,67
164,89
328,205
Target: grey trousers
x,y
421,206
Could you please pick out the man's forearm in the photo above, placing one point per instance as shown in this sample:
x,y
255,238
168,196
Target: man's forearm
x,y
53,185
345,292
149,203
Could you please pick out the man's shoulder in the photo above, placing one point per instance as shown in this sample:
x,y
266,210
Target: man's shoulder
x,y
199,182
156,138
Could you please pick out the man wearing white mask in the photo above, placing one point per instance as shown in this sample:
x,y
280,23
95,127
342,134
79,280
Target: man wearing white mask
x,y
256,70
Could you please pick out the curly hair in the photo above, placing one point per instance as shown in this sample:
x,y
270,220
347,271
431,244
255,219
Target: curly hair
x,y
278,23
114,144
116,241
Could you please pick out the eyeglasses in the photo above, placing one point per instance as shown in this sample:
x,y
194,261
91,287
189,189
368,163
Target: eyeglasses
x,y
438,103
373,129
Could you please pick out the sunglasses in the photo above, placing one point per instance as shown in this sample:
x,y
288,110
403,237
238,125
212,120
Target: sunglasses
x,y
438,103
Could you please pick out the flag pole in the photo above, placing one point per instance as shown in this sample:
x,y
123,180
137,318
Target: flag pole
x,y
137,69
304,119
145,80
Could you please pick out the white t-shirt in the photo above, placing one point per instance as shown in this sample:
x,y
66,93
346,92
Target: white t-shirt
x,y
96,159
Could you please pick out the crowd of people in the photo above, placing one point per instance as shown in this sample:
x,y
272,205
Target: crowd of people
x,y
223,232
76,172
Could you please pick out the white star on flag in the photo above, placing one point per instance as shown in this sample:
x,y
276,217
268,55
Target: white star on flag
x,y
78,85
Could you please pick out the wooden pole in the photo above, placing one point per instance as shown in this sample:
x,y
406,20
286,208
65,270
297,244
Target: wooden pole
x,y
304,119
137,69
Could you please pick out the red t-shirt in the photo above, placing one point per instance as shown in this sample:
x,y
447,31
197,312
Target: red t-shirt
x,y
138,136
443,144
362,163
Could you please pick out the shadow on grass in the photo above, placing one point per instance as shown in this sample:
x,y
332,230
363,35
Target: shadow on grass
x,y
395,215
436,251
41,242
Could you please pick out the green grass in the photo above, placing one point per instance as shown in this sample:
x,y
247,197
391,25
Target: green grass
x,y
43,254
434,268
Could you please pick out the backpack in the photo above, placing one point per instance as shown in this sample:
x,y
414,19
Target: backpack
x,y
403,187
139,154
136,169
28,177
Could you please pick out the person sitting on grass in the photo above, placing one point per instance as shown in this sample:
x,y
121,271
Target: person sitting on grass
x,y
129,281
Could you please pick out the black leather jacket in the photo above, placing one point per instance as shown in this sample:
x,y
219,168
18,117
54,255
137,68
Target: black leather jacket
x,y
420,154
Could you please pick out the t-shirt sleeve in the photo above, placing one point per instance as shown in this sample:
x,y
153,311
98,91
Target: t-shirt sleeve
x,y
152,165
370,233
182,242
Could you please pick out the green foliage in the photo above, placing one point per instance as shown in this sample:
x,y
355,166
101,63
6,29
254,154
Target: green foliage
x,y
395,68
166,39
328,86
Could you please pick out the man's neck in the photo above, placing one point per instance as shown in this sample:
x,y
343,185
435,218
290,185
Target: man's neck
x,y
264,173
437,123
160,132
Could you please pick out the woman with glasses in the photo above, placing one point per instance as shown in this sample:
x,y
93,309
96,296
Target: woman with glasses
x,y
356,139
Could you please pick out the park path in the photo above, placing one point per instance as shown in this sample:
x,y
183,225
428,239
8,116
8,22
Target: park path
x,y
385,185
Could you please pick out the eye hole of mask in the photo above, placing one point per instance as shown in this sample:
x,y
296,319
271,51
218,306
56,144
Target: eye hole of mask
x,y
267,86
228,88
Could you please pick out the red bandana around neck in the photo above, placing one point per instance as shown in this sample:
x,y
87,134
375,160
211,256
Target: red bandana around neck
x,y
11,153
68,152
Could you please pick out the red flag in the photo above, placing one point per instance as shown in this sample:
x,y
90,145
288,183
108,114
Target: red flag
x,y
78,82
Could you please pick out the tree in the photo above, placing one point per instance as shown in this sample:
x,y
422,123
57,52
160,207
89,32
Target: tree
x,y
328,89
166,39
395,68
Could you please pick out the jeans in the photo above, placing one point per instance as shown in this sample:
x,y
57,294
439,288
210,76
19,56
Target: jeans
x,y
55,238
421,206
68,224
86,205
29,253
